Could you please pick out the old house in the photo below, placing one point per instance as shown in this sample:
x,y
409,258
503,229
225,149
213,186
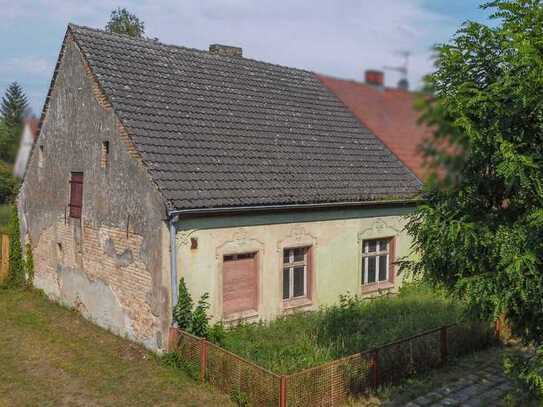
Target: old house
x,y
252,181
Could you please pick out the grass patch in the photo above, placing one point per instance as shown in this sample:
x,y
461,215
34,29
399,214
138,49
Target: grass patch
x,y
5,214
51,356
303,340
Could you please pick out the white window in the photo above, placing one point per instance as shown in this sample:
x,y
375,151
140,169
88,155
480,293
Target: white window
x,y
376,261
295,272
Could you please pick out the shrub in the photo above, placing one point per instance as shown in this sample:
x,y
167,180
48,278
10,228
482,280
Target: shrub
x,y
182,312
16,275
200,320
217,334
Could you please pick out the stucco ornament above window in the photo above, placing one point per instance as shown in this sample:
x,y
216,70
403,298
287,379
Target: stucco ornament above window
x,y
378,228
296,237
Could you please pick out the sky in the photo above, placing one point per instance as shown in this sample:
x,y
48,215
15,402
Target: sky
x,y
340,38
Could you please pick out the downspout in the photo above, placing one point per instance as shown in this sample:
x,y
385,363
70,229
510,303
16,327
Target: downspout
x,y
173,260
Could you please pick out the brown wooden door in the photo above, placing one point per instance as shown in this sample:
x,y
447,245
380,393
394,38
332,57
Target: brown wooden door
x,y
240,283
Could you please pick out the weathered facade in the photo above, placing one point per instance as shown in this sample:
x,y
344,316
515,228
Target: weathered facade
x,y
250,180
334,236
108,263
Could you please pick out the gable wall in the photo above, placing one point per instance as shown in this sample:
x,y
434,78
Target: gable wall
x,y
109,264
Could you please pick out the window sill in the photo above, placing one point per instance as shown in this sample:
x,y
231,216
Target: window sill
x,y
296,303
375,287
243,316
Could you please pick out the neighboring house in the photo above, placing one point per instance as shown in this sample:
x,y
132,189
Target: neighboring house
x,y
389,113
250,180
28,137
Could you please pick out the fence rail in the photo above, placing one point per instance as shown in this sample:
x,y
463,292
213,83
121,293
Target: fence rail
x,y
331,383
4,256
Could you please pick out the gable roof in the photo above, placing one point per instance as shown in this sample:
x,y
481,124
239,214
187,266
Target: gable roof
x,y
217,131
389,114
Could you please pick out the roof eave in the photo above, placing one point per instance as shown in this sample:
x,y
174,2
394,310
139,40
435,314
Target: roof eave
x,y
290,207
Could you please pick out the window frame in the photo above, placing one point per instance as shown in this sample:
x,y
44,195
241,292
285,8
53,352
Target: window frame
x,y
388,282
306,263
236,248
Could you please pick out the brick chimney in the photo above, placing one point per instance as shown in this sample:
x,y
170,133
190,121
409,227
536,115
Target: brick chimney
x,y
375,78
225,50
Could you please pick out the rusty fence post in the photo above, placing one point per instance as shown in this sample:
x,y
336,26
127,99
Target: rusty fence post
x,y
203,359
283,391
375,366
444,345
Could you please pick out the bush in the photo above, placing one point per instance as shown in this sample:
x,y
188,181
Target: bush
x,y
8,185
16,275
182,312
200,320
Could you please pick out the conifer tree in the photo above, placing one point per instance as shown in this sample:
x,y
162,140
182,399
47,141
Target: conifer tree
x,y
14,106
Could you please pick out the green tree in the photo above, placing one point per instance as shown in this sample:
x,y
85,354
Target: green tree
x,y
122,21
8,185
182,312
14,106
480,231
9,141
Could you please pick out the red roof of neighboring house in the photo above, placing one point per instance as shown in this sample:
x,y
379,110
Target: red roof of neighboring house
x,y
33,123
389,114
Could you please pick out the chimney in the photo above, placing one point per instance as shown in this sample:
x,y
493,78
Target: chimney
x,y
403,84
225,50
375,78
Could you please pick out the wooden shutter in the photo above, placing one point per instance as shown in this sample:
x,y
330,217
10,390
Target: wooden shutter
x,y
240,284
76,194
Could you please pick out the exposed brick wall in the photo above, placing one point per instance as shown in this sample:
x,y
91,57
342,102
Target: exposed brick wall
x,y
104,254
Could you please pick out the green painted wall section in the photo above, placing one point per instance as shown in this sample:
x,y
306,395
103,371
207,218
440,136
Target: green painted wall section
x,y
228,221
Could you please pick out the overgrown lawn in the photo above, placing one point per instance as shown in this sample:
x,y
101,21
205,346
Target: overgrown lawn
x,y
303,340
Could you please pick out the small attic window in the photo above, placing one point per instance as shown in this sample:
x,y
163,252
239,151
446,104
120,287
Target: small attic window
x,y
104,158
40,156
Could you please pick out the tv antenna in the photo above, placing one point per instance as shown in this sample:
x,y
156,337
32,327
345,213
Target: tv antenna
x,y
403,69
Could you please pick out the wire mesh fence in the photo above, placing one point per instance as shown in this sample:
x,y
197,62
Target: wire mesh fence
x,y
331,383
241,378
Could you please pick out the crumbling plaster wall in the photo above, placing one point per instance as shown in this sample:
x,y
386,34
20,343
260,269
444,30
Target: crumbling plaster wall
x,y
110,263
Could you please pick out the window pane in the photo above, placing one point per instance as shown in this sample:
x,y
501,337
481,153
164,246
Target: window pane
x,y
298,281
371,269
286,284
383,245
383,268
299,254
286,256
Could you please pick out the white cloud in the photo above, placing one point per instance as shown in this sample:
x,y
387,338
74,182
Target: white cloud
x,y
36,66
335,37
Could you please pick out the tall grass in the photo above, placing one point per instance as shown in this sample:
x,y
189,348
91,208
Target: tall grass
x,y
301,340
